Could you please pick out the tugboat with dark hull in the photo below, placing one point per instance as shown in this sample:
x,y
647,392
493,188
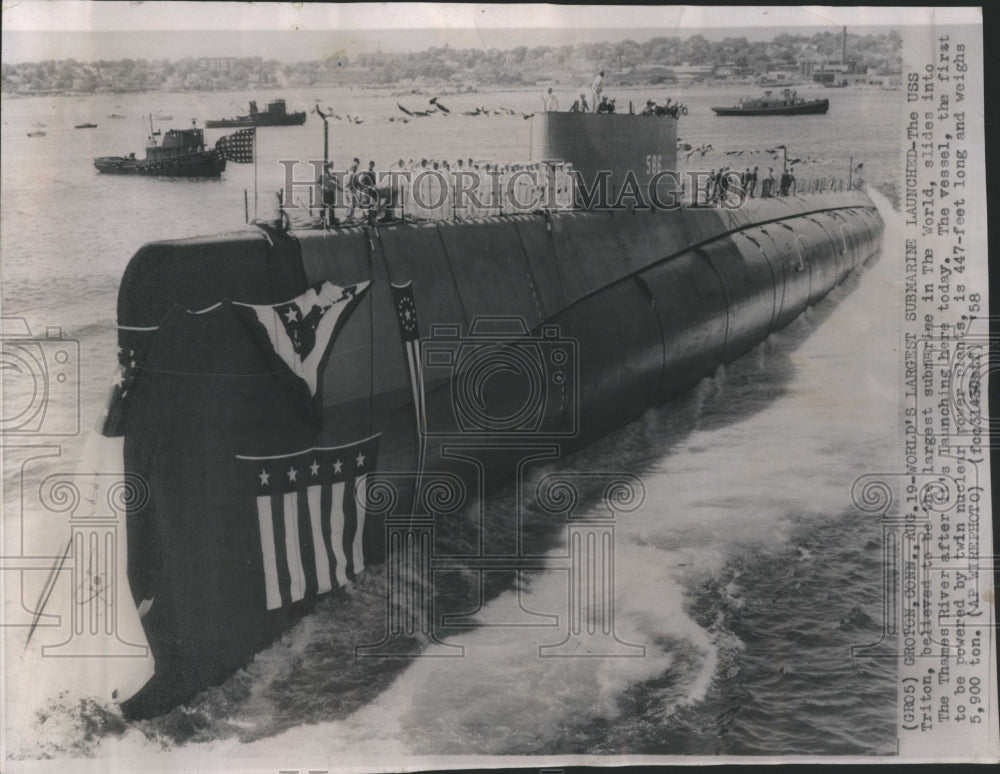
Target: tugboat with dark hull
x,y
276,115
181,154
786,105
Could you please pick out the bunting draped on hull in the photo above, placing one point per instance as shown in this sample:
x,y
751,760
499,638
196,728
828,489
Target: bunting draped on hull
x,y
270,377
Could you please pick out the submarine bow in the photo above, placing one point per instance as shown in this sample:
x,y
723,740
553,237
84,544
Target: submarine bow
x,y
270,373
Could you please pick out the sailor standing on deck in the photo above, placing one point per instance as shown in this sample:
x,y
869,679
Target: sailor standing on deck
x,y
328,182
350,184
549,101
719,185
767,189
597,87
783,184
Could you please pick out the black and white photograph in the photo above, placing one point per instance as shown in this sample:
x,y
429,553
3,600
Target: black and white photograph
x,y
411,387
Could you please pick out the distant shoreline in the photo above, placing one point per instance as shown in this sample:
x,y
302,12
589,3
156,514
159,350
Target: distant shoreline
x,y
444,90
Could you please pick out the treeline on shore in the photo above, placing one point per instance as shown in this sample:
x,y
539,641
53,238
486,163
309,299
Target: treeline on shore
x,y
443,65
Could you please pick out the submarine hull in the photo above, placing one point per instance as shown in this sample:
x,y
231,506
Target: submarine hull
x,y
578,321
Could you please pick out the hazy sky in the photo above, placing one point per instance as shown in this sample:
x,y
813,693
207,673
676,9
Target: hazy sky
x,y
55,29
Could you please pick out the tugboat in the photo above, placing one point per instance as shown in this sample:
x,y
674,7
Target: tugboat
x,y
788,104
181,154
276,115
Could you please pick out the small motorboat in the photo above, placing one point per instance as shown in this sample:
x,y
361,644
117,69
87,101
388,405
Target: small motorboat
x,y
789,104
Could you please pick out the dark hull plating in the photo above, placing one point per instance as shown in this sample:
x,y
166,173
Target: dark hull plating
x,y
701,287
261,119
655,301
200,164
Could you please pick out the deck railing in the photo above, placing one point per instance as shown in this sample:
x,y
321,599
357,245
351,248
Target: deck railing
x,y
465,194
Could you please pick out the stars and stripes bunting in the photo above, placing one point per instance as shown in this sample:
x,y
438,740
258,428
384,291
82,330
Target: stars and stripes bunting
x,y
301,330
409,331
238,147
113,424
133,343
311,517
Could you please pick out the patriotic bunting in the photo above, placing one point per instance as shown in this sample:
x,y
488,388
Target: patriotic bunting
x,y
311,518
239,146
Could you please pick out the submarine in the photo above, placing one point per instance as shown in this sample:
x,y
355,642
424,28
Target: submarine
x,y
270,378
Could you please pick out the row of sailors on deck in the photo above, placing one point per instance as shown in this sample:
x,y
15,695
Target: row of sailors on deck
x,y
744,184
604,105
601,104
440,189
551,104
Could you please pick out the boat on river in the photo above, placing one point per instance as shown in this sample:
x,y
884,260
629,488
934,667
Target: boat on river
x,y
182,153
788,104
299,405
276,114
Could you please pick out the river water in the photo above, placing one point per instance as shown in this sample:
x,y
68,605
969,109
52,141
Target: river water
x,y
746,574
